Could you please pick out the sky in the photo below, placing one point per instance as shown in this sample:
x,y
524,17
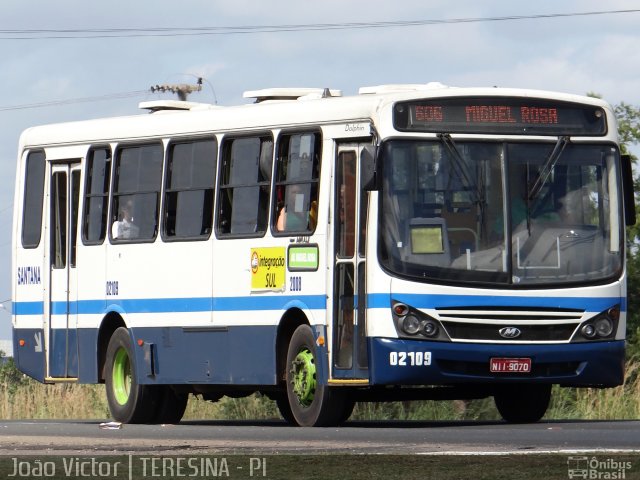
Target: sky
x,y
47,79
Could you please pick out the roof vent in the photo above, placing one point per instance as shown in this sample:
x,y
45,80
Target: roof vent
x,y
290,93
172,105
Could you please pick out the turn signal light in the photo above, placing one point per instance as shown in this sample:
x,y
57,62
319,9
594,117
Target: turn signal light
x,y
400,309
21,342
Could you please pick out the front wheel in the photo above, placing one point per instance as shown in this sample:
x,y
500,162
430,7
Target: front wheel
x,y
522,403
312,403
282,402
128,401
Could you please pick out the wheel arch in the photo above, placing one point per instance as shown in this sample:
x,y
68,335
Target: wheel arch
x,y
110,323
291,320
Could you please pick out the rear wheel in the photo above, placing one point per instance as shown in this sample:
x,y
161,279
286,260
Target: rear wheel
x,y
311,402
128,401
522,403
171,404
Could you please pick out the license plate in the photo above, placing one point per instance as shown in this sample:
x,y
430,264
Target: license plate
x,y
510,365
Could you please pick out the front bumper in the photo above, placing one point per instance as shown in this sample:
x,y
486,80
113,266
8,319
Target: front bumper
x,y
412,362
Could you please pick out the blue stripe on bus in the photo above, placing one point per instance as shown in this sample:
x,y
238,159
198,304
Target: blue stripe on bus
x,y
59,308
89,306
588,304
27,308
161,305
314,302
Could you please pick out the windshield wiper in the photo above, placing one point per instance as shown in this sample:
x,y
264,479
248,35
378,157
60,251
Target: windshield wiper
x,y
547,168
469,181
460,166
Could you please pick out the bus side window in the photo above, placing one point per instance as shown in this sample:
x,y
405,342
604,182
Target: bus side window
x,y
245,177
136,193
98,175
33,198
297,174
190,180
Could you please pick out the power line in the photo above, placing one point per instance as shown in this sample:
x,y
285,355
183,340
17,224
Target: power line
x,y
109,96
37,34
55,103
90,33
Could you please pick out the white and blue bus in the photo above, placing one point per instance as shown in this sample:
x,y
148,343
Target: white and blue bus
x,y
409,242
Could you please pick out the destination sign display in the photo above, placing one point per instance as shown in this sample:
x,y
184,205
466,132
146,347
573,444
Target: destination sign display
x,y
507,115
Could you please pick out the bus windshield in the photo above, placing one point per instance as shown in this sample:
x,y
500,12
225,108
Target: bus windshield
x,y
500,213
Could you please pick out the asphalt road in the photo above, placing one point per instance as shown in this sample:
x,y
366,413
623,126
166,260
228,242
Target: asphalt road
x,y
206,437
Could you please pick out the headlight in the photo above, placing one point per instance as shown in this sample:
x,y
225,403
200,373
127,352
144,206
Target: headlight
x,y
430,328
604,327
410,324
589,331
601,327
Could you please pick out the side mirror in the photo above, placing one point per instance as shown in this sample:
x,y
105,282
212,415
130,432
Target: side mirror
x,y
368,160
627,190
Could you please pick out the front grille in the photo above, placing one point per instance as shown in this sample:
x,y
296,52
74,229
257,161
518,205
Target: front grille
x,y
511,313
530,324
529,333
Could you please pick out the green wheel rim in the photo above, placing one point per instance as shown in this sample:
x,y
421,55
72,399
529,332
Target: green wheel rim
x,y
303,377
121,376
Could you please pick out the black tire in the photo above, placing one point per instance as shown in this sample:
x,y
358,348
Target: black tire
x,y
171,405
522,403
282,402
347,410
128,401
312,404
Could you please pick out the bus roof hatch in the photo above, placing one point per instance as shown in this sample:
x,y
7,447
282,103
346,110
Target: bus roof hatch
x,y
164,105
290,93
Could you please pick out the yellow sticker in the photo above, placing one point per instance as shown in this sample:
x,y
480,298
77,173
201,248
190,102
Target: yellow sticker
x,y
268,268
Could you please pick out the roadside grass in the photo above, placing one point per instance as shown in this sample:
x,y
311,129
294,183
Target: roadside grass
x,y
23,398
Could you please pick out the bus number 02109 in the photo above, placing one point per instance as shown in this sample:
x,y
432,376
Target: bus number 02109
x,y
409,359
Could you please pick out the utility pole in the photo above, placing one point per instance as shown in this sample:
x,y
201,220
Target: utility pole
x,y
182,89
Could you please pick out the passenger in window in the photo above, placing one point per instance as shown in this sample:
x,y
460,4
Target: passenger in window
x,y
124,228
295,215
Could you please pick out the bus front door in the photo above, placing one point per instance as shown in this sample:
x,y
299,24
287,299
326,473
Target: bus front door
x,y
60,336
349,323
